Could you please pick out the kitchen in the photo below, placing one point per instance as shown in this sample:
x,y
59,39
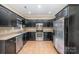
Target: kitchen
x,y
20,29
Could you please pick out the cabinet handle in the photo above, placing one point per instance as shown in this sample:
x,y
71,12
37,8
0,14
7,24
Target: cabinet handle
x,y
14,41
11,40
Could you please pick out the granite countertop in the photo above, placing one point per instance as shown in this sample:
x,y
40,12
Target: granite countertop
x,y
33,29
8,36
28,29
47,29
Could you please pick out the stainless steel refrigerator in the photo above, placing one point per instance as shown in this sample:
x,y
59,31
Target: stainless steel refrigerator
x,y
59,35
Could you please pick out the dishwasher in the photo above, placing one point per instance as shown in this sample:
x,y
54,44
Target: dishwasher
x,y
19,43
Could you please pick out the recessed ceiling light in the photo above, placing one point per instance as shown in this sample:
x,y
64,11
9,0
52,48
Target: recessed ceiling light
x,y
25,6
39,6
29,12
49,12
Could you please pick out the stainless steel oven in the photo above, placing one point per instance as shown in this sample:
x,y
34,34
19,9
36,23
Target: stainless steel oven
x,y
39,31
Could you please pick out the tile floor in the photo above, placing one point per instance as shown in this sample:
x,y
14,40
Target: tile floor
x,y
38,47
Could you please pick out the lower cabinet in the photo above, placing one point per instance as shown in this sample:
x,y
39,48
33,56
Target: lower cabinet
x,y
45,36
48,36
11,46
2,47
8,46
31,36
26,37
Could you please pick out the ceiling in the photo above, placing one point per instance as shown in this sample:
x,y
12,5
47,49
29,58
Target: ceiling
x,y
36,11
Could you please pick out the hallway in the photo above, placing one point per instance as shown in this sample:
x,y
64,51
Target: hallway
x,y
38,47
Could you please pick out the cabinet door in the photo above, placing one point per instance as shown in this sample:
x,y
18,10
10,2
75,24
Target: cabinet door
x,y
47,36
14,20
33,36
10,46
24,38
63,13
4,20
6,16
50,36
2,47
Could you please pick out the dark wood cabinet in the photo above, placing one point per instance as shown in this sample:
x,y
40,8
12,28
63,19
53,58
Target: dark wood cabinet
x,y
31,36
2,47
48,36
13,20
25,39
4,17
10,46
8,18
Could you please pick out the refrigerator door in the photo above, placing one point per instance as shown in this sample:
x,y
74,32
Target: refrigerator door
x,y
59,35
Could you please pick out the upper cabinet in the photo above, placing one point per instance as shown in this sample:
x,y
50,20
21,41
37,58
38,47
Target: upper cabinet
x,y
4,17
8,18
69,10
63,13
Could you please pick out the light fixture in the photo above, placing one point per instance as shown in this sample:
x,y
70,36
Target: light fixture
x,y
25,6
39,6
49,12
29,12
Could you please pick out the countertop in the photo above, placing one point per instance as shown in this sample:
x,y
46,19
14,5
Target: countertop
x,y
33,29
10,35
47,29
28,29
